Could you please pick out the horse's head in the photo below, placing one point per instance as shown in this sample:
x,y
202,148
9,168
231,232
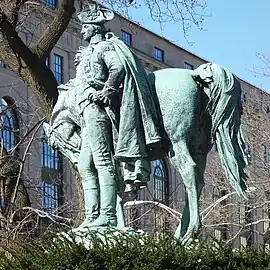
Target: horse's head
x,y
65,137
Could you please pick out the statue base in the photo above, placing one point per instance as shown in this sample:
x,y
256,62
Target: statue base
x,y
108,235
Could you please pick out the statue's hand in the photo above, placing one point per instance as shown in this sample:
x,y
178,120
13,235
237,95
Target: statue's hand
x,y
103,96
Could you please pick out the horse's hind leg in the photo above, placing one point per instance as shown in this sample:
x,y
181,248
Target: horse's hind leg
x,y
192,227
191,170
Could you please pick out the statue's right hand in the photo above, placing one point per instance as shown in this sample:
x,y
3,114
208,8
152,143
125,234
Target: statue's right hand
x,y
99,96
93,97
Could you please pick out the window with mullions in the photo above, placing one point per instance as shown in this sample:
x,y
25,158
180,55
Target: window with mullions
x,y
248,153
58,68
7,124
243,98
160,178
2,202
126,37
50,196
188,66
50,158
159,54
50,3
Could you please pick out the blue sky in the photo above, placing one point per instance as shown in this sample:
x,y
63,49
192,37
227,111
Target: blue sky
x,y
234,33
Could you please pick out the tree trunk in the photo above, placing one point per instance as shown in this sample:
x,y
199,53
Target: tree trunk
x,y
9,173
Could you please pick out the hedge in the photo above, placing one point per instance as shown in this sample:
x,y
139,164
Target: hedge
x,y
128,252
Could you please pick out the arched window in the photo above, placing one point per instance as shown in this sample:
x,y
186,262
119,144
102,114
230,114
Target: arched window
x,y
8,124
161,184
50,197
51,175
50,158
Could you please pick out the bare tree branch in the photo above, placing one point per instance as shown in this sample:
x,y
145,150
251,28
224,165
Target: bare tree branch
x,y
55,30
188,13
23,162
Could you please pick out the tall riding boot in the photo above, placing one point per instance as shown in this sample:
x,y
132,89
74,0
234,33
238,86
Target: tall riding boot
x,y
107,215
91,202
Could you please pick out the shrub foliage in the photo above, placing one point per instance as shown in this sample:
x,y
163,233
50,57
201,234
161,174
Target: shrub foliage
x,y
127,252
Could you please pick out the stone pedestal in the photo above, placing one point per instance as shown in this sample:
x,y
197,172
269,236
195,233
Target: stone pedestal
x,y
108,235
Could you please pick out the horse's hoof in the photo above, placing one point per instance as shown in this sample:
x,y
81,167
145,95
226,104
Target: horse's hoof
x,y
190,238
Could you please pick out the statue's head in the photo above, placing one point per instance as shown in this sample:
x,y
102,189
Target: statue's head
x,y
93,18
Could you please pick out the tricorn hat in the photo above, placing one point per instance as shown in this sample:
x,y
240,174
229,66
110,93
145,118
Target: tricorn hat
x,y
95,14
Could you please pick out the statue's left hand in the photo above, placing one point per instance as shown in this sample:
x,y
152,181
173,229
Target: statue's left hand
x,y
103,96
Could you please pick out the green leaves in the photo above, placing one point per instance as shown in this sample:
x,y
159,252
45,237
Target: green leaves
x,y
129,252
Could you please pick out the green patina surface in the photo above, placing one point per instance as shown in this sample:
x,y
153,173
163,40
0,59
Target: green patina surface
x,y
112,112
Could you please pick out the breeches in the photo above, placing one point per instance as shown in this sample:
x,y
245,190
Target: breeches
x,y
96,159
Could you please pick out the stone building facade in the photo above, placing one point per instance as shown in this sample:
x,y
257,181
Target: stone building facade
x,y
51,184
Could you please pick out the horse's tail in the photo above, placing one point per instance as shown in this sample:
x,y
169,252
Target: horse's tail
x,y
225,109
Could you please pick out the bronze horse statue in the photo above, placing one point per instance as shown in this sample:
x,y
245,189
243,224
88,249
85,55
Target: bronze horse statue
x,y
197,106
